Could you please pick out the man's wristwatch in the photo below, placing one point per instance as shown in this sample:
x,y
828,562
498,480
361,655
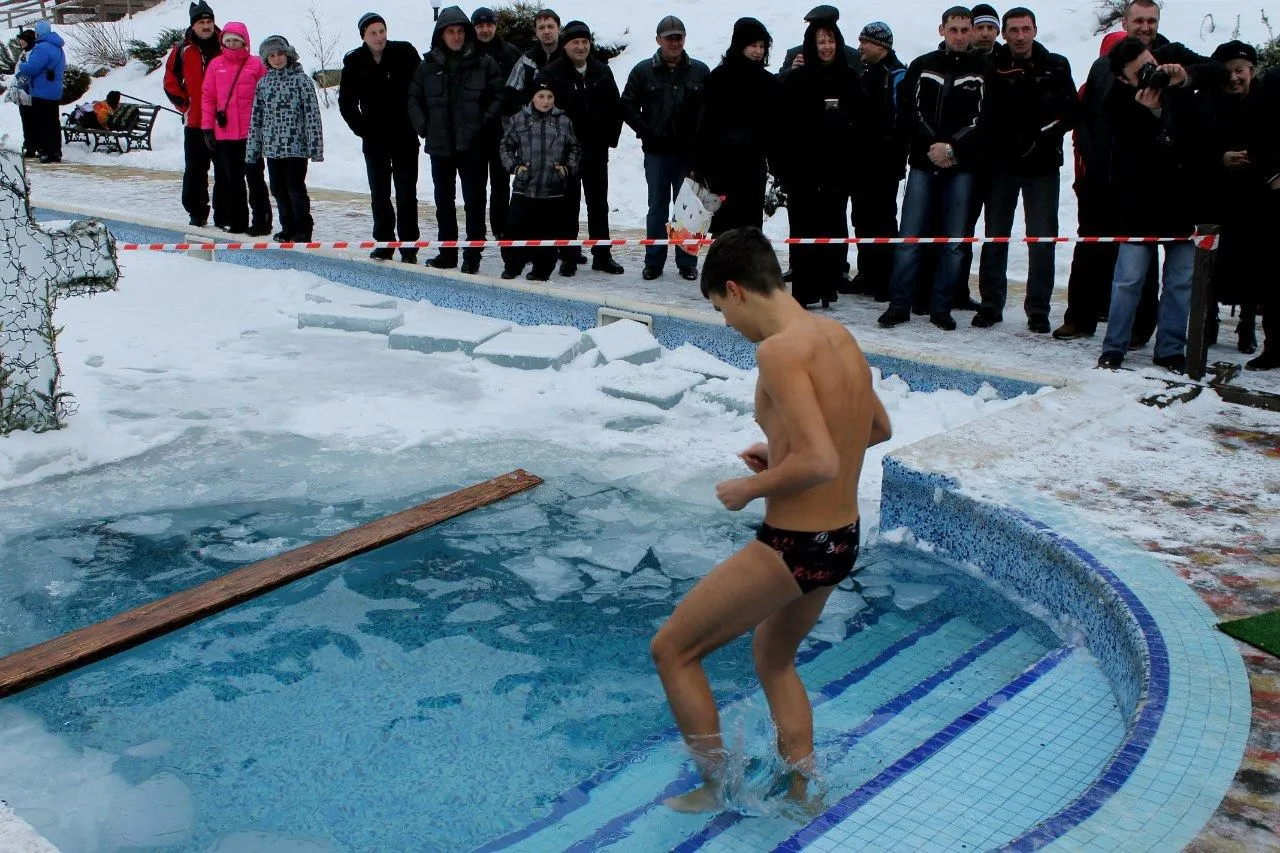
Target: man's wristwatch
x,y
951,152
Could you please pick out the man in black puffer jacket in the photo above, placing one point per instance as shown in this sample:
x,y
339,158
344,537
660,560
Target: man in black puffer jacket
x,y
506,54
1034,104
373,99
454,105
585,89
943,114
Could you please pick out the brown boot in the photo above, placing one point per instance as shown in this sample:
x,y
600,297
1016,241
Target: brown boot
x,y
1070,331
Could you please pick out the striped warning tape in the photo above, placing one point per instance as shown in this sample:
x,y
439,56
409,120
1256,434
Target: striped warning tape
x,y
1207,242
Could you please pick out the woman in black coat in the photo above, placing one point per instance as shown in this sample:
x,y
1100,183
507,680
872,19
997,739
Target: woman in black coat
x,y
823,118
734,133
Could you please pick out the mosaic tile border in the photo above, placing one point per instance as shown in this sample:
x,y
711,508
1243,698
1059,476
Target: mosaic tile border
x,y
1145,798
532,306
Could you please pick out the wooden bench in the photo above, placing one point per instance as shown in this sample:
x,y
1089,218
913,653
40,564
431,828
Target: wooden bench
x,y
119,141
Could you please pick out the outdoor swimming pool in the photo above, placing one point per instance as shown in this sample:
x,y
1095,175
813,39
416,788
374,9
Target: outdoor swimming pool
x,y
447,691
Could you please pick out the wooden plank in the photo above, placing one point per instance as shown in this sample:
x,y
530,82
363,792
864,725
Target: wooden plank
x,y
1201,287
41,662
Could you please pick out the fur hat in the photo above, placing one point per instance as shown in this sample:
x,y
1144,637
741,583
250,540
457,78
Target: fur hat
x,y
367,20
200,10
277,44
984,13
877,32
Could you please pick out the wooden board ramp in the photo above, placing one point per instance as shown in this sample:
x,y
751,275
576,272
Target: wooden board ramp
x,y
41,662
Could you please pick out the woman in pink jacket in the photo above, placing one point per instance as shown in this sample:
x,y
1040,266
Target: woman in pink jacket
x,y
229,85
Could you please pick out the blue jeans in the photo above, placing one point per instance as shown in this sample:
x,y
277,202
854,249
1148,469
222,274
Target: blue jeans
x,y
1040,208
664,173
945,196
1132,262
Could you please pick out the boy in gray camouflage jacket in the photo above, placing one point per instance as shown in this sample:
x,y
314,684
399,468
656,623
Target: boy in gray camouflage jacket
x,y
542,152
285,126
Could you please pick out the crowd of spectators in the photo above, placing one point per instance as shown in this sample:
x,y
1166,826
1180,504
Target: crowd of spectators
x,y
1164,139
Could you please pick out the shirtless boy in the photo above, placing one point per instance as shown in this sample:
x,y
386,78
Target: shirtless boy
x,y
819,412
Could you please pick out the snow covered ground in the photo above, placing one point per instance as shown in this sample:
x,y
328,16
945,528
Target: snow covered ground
x,y
1065,27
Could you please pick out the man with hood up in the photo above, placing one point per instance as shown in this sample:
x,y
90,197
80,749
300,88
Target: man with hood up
x,y
454,104
183,78
44,67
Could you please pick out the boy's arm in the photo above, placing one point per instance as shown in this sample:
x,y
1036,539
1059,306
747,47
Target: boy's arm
x,y
813,459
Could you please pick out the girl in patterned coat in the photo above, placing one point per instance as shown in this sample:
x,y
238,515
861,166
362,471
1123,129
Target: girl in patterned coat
x,y
286,128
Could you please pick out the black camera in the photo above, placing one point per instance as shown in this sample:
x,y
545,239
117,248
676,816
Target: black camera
x,y
220,116
1151,77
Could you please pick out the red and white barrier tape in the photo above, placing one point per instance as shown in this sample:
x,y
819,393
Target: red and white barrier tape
x,y
1208,242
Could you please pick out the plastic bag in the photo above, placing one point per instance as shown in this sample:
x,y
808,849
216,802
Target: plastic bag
x,y
695,205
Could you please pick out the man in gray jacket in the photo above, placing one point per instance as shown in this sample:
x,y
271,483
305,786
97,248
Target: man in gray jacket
x,y
454,105
661,103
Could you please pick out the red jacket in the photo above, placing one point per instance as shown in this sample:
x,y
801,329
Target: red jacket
x,y
184,76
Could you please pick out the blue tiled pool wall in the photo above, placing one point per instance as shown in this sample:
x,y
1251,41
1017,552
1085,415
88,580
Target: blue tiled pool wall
x,y
1027,563
533,309
1031,561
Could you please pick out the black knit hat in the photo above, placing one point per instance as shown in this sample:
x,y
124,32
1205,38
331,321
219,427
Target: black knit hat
x,y
1235,50
984,13
575,30
368,19
200,10
540,82
877,32
484,15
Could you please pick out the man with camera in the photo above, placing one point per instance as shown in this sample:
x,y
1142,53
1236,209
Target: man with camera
x,y
1153,113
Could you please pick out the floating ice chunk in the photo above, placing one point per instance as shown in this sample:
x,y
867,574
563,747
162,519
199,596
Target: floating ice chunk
x,y
344,295
475,611
512,632
601,576
158,813
548,577
532,348
647,578
446,330
142,525
519,519
349,318
571,549
150,750
696,360
239,551
737,393
626,340
662,386
682,556
621,553
910,595
876,592
80,548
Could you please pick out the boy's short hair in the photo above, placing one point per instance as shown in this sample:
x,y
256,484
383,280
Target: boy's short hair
x,y
744,256
1017,12
956,12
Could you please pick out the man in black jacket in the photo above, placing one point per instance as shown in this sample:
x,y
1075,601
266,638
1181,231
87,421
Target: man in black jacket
x,y
943,114
1092,264
519,82
506,54
661,103
884,164
1264,154
454,103
1034,105
1152,116
587,93
373,98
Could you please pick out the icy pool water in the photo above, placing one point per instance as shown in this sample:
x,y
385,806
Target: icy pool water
x,y
485,684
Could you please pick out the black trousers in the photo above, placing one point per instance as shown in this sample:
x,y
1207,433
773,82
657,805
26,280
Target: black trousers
x,y
1093,266
387,167
499,192
743,188
29,133
536,219
592,185
875,214
46,125
195,178
241,186
473,169
288,179
816,271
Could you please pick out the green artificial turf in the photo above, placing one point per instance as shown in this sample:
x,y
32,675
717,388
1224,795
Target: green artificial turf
x,y
1262,631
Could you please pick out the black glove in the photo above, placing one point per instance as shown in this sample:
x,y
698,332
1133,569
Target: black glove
x,y
209,141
